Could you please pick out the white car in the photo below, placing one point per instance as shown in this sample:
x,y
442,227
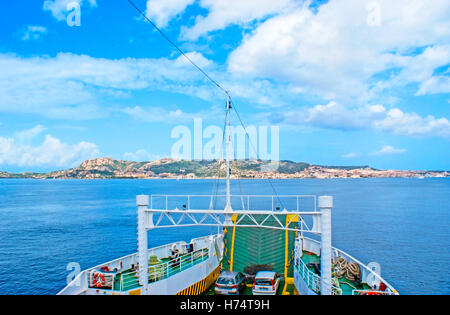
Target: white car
x,y
266,283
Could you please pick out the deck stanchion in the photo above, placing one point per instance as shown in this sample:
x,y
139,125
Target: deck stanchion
x,y
142,203
325,205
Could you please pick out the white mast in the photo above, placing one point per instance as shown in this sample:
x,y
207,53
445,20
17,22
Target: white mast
x,y
228,150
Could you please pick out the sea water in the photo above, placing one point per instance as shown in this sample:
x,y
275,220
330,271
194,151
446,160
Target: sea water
x,y
402,224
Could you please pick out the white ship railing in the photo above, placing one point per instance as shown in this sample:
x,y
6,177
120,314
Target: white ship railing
x,y
293,203
390,290
173,211
81,282
372,292
313,280
165,270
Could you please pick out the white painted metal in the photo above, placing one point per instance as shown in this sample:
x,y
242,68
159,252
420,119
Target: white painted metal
x,y
142,203
153,218
161,215
305,287
167,286
300,201
158,219
325,205
228,152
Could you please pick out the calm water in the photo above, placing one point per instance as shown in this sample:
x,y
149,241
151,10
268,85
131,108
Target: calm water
x,y
403,224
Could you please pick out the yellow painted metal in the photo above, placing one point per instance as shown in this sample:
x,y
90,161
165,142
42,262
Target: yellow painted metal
x,y
288,282
234,219
289,219
136,292
203,285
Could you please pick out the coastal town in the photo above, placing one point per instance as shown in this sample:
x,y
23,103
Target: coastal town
x,y
108,168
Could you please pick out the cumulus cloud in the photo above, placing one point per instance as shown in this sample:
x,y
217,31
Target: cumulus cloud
x,y
72,86
58,8
52,152
223,13
377,117
34,32
336,54
162,11
388,150
81,87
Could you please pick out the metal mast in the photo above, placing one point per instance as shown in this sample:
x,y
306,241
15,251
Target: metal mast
x,y
228,151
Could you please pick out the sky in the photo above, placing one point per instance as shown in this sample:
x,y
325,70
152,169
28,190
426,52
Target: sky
x,y
348,82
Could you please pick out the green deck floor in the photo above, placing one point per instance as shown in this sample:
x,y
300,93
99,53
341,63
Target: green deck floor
x,y
346,286
249,290
131,278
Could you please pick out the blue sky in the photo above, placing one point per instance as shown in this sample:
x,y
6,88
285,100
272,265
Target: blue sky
x,y
348,82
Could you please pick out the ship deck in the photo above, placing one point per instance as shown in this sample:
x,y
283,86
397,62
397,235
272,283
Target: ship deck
x,y
128,279
345,285
248,290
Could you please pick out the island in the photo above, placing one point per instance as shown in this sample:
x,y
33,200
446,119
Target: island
x,y
109,168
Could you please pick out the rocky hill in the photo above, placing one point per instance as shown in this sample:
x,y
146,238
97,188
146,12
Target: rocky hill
x,y
169,168
107,168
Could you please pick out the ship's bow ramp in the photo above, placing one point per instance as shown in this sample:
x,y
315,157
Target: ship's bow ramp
x,y
250,246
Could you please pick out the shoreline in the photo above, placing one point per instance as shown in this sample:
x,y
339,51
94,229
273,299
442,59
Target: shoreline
x,y
209,178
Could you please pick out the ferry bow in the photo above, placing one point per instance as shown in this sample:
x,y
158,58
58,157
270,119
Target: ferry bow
x,y
259,234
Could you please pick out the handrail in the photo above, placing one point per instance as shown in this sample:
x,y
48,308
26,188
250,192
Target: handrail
x,y
389,287
273,200
372,292
164,270
312,280
83,276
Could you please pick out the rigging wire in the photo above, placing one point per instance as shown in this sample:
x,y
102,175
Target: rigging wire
x,y
204,73
216,179
177,48
254,149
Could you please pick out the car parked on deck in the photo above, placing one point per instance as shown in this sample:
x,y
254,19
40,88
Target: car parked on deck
x,y
230,283
266,283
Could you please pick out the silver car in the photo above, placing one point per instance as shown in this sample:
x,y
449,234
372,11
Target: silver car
x,y
230,283
266,283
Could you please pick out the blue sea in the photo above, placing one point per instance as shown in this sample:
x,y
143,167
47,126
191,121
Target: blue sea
x,y
403,224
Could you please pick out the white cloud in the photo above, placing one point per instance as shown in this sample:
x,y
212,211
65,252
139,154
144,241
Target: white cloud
x,y
52,152
58,8
76,87
388,150
26,136
350,155
411,124
34,32
435,85
377,117
162,11
335,54
162,115
223,13
141,156
79,87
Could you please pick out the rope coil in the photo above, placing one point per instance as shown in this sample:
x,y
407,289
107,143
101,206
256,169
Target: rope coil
x,y
351,271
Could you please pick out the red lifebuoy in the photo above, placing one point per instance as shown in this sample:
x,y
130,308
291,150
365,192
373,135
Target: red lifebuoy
x,y
373,293
99,280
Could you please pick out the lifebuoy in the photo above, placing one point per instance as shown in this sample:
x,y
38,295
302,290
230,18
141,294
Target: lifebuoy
x,y
99,280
